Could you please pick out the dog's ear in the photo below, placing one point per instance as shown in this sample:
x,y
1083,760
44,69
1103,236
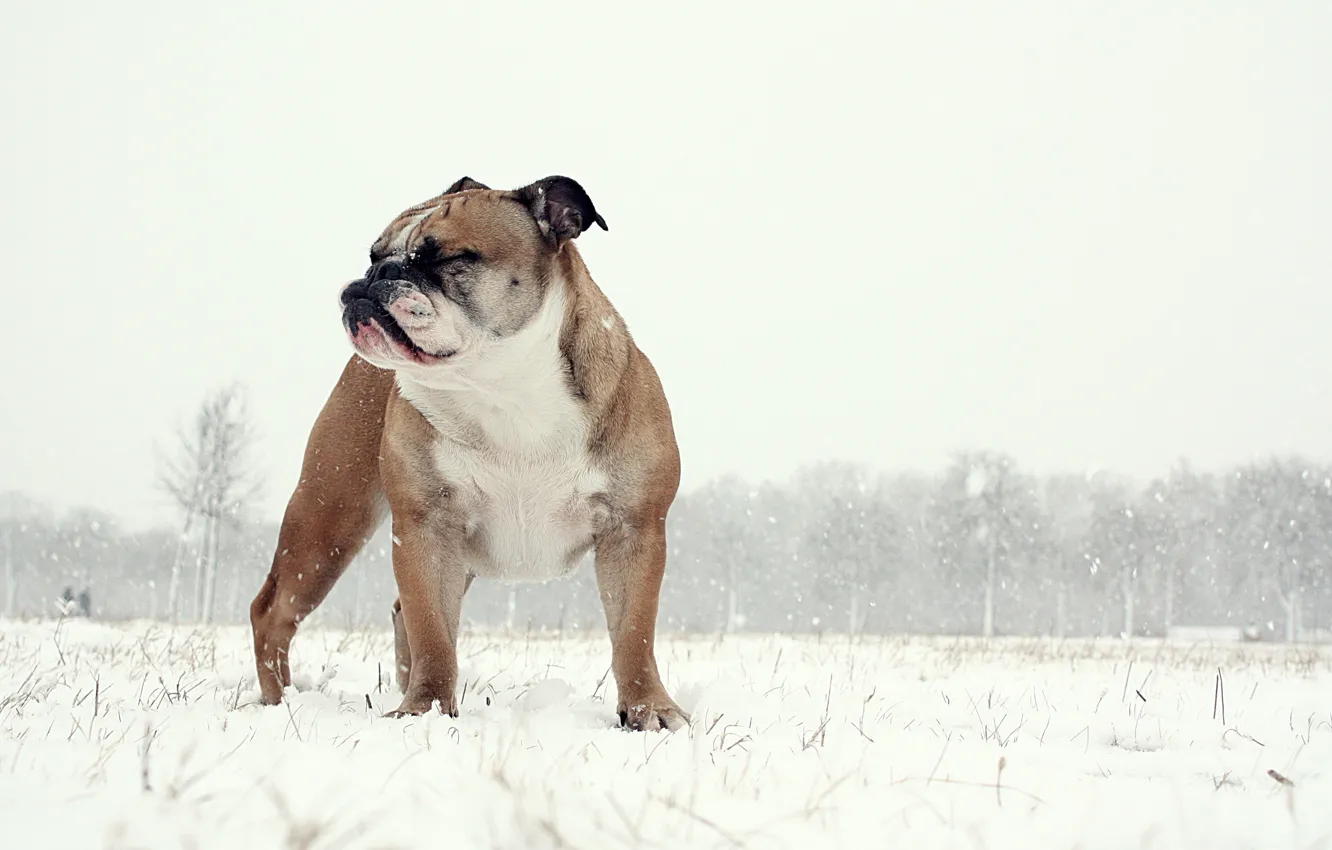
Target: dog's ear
x,y
463,184
561,207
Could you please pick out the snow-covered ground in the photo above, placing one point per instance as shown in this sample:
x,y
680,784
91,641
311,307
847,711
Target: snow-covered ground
x,y
141,736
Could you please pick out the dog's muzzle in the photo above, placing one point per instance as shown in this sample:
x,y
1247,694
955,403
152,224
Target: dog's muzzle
x,y
398,307
369,297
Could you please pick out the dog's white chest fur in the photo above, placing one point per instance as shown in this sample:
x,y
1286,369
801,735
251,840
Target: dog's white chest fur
x,y
512,445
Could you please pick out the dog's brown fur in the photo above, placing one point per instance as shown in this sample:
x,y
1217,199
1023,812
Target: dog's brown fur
x,y
370,453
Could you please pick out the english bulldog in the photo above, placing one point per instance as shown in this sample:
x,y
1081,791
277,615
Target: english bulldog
x,y
498,409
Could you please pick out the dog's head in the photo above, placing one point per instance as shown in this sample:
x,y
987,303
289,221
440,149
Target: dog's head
x,y
465,268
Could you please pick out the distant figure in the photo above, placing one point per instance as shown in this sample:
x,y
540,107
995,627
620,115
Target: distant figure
x,y
71,607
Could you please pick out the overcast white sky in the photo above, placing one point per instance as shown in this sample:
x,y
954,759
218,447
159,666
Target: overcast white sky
x,y
1092,235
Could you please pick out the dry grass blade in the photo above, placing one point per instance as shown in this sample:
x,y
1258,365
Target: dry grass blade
x,y
1279,779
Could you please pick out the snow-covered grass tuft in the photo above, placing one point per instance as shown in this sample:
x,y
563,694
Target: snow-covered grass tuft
x,y
145,736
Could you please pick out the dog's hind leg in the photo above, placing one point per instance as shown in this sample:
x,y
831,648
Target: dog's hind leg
x,y
334,510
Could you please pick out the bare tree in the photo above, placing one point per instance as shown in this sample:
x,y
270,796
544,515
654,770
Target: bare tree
x,y
990,512
1279,528
727,501
210,476
851,536
1068,504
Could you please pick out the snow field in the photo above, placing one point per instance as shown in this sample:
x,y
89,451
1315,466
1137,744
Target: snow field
x,y
145,736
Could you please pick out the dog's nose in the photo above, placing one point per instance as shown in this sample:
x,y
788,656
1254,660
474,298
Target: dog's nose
x,y
354,290
387,270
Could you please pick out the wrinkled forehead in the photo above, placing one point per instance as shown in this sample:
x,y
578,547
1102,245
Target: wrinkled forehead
x,y
393,239
474,215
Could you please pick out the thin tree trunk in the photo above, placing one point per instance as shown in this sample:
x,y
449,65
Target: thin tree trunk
x,y
210,570
205,565
234,597
200,566
991,577
1130,601
1170,597
357,612
854,617
201,581
11,580
173,589
511,612
1293,603
732,599
1061,608
216,562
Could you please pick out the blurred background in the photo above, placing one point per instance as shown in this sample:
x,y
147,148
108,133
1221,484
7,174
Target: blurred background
x,y
975,318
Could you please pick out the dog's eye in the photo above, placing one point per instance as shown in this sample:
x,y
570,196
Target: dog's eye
x,y
461,257
460,260
424,255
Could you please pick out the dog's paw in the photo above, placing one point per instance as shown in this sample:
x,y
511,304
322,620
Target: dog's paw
x,y
414,706
653,716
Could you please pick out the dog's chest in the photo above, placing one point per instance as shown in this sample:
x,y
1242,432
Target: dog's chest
x,y
513,448
529,518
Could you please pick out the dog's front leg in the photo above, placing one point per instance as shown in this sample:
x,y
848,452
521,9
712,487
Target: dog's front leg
x,y
402,652
630,564
431,584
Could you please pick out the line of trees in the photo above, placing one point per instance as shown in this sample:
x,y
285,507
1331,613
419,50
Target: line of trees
x,y
984,548
981,547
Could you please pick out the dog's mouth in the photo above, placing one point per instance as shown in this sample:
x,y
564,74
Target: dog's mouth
x,y
373,329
